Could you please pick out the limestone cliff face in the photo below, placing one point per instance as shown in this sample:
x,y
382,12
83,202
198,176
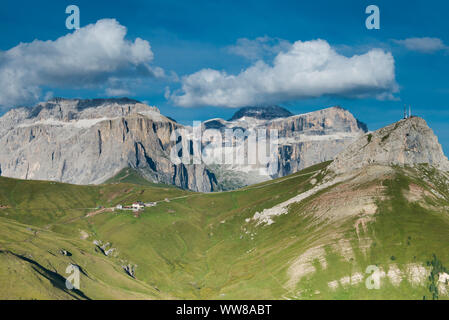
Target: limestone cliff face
x,y
304,140
334,120
407,142
314,137
89,141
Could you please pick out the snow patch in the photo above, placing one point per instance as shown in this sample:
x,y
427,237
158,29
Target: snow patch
x,y
87,123
80,124
153,115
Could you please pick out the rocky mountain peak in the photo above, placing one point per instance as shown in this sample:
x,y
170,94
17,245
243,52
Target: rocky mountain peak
x,y
94,102
70,109
262,113
67,110
338,109
406,142
88,141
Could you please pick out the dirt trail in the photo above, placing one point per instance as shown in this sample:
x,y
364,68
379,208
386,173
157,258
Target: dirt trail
x,y
94,213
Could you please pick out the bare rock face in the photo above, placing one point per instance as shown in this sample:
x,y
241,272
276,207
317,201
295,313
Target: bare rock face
x,y
90,141
407,142
314,137
304,140
264,113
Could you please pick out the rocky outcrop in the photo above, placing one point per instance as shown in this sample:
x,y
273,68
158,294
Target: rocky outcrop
x,y
90,141
315,137
263,113
407,142
304,140
130,270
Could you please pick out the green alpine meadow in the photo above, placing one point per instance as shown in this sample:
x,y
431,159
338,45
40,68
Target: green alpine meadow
x,y
374,232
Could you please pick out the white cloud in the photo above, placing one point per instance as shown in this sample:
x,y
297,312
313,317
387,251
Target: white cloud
x,y
424,45
308,69
259,48
49,95
118,92
86,58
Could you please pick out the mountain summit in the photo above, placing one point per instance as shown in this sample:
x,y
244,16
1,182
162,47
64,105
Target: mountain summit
x,y
406,142
90,141
262,113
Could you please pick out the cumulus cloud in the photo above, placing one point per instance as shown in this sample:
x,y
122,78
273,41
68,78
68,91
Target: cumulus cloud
x,y
308,69
116,92
424,45
259,48
86,58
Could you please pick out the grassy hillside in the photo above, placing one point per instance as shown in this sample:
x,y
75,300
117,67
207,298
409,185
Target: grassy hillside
x,y
129,175
211,246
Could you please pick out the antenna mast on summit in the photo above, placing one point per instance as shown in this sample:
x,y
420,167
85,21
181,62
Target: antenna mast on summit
x,y
410,111
405,111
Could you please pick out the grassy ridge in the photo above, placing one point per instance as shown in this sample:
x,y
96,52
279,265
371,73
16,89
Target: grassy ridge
x,y
200,246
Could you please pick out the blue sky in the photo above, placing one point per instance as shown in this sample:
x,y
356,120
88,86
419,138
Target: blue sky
x,y
189,36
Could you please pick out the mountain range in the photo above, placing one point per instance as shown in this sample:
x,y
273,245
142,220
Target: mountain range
x,y
90,141
370,224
